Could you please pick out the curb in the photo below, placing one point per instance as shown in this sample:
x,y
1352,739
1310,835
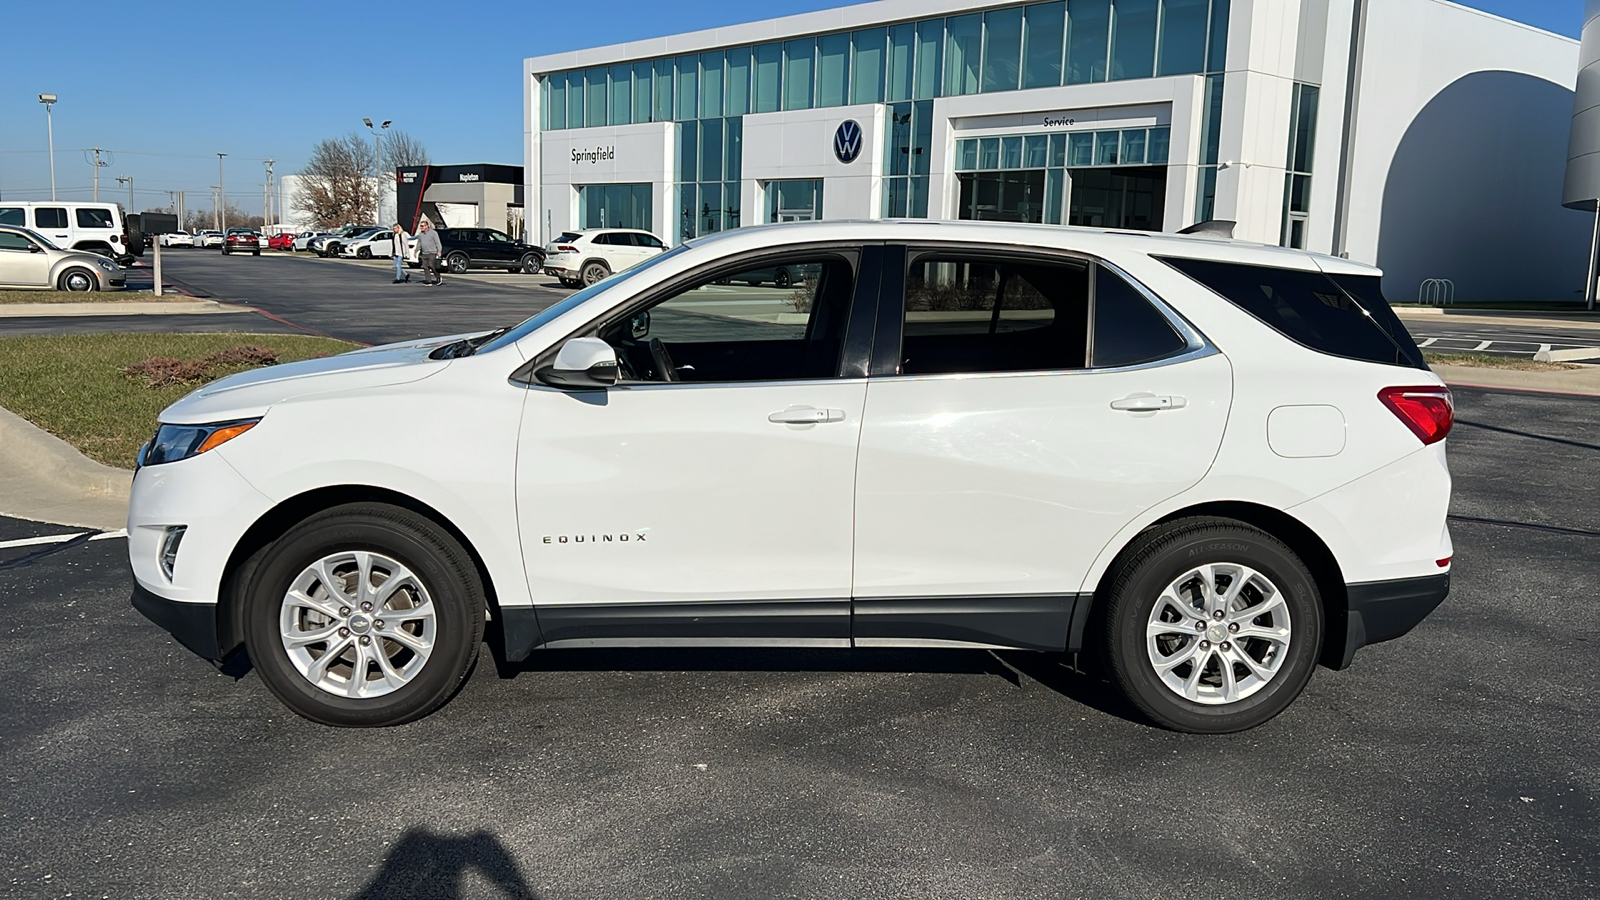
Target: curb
x,y
1584,382
46,479
120,308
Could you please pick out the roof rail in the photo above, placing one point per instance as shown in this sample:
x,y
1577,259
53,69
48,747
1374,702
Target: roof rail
x,y
1221,228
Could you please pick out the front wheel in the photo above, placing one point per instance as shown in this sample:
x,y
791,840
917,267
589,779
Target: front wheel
x,y
364,253
1212,626
457,263
78,280
364,615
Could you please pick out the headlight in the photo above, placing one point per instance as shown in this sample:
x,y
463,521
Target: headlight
x,y
106,264
175,442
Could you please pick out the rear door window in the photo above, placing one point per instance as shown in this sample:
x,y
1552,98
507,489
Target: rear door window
x,y
1311,309
94,218
50,217
973,313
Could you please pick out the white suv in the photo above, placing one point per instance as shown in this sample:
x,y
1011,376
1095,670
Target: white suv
x,y
90,227
585,257
1212,464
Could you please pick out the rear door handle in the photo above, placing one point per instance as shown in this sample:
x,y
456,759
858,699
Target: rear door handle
x,y
806,415
1149,403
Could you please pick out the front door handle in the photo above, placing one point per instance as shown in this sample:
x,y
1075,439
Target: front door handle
x,y
1148,403
806,415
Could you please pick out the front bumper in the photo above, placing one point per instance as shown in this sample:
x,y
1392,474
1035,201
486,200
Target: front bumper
x,y
1384,610
193,624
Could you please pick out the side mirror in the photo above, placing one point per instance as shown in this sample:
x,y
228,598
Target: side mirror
x,y
639,324
584,363
35,248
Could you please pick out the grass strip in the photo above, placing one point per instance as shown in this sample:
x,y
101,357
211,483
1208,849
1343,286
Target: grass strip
x,y
1488,361
72,385
86,297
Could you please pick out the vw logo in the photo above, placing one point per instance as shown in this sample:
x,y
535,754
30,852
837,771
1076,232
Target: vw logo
x,y
847,141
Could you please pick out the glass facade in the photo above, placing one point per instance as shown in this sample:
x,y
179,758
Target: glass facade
x,y
908,152
1029,170
796,200
1005,49
614,206
1297,169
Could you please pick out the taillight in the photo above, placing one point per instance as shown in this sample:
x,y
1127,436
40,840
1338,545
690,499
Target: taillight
x,y
1427,410
565,249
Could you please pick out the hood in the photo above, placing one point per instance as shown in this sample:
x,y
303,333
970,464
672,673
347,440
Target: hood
x,y
252,393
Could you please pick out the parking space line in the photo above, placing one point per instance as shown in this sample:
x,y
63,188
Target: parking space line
x,y
62,538
1483,346
1427,342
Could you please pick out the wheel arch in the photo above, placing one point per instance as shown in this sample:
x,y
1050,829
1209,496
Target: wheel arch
x,y
94,247
275,522
1305,543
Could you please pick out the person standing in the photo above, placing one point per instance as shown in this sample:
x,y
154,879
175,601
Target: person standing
x,y
428,249
399,253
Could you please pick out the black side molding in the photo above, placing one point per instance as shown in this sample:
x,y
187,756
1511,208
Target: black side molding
x,y
1384,610
193,624
728,621
1025,622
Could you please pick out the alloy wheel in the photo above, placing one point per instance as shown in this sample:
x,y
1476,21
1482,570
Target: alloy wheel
x,y
1218,633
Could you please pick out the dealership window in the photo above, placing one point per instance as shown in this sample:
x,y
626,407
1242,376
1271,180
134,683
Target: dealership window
x,y
1119,179
1210,139
708,173
615,206
1297,170
907,154
1020,46
799,71
797,200
867,55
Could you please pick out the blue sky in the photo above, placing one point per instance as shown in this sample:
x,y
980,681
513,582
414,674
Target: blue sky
x,y
270,79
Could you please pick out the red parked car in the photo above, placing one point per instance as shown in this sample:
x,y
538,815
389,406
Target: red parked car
x,y
283,241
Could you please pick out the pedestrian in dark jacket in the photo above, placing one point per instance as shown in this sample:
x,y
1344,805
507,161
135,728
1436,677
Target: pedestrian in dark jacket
x,y
428,250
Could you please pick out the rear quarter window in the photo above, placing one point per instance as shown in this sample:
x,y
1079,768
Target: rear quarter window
x,y
94,218
1341,316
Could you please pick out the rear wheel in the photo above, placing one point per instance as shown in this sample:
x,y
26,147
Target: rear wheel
x,y
364,615
78,280
457,262
595,271
1212,625
781,279
531,264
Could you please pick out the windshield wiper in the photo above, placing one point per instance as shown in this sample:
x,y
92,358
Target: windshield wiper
x,y
466,346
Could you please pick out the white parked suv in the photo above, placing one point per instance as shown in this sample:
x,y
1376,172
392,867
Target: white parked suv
x,y
585,257
1210,464
378,242
90,227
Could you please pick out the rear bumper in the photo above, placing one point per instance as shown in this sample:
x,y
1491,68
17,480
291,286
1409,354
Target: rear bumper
x,y
1384,610
193,624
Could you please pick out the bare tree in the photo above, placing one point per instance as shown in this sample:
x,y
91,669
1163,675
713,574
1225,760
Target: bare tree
x,y
204,219
401,149
338,187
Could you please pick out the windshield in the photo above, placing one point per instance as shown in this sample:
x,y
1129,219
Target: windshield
x,y
577,299
39,238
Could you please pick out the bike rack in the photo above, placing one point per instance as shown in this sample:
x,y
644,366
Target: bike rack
x,y
1437,292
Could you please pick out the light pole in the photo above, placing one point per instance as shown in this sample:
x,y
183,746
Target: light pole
x,y
49,100
222,196
128,180
377,134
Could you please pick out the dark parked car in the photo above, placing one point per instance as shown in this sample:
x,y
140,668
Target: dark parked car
x,y
242,240
486,248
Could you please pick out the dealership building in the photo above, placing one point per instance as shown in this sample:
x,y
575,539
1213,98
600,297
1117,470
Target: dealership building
x,y
1419,135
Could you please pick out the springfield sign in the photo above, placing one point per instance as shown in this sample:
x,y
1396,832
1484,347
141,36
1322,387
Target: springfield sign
x,y
593,156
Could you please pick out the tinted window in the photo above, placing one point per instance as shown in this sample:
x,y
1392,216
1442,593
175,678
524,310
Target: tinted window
x,y
10,240
13,215
648,240
1368,291
967,314
780,319
1127,329
94,218
497,237
1309,308
50,217
566,237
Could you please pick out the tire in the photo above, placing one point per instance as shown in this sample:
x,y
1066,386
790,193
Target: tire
x,y
364,253
571,282
1158,584
78,280
457,263
255,252
531,264
595,271
781,279
392,540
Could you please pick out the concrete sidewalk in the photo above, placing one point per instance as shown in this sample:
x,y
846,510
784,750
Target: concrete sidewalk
x,y
46,479
1533,317
1583,380
188,306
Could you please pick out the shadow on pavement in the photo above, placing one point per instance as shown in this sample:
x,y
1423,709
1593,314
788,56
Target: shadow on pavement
x,y
428,866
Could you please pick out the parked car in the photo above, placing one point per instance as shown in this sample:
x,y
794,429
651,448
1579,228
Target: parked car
x,y
242,240
281,241
585,257
91,227
481,248
29,260
177,239
330,245
1212,464
367,244
302,240
209,238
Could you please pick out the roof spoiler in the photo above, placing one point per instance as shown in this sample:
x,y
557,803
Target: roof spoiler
x,y
1220,228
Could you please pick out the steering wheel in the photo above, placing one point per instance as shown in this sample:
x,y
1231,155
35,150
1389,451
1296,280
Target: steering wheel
x,y
663,360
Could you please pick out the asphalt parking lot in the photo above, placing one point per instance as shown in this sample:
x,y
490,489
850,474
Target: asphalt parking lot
x,y
1456,761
